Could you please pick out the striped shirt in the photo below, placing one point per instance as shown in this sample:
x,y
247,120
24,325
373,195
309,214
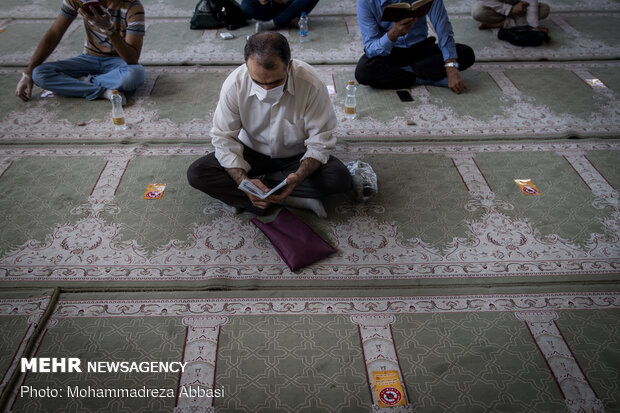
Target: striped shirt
x,y
127,17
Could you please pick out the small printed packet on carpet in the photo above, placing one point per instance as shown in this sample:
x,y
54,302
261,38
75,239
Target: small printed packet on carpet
x,y
527,186
154,191
388,388
596,83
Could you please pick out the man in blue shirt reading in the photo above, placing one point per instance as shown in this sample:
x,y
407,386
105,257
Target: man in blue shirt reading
x,y
400,55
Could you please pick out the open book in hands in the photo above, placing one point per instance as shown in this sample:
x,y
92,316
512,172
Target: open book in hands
x,y
250,188
399,11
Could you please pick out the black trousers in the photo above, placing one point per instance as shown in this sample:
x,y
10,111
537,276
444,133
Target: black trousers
x,y
385,72
207,175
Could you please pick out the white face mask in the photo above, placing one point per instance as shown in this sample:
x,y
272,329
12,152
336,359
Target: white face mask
x,y
268,96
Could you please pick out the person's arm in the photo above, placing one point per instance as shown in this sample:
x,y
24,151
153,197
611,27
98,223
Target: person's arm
x,y
45,48
130,47
224,138
226,128
375,38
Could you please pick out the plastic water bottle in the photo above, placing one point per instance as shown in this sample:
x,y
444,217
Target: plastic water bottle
x,y
224,15
303,27
350,102
118,115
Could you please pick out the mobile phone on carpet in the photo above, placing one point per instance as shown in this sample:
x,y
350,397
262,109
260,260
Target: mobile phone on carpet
x,y
404,96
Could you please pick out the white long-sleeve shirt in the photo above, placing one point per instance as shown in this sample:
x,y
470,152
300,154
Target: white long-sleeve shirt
x,y
302,121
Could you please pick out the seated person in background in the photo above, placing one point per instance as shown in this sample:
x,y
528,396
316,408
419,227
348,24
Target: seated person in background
x,y
274,121
111,53
274,14
495,14
400,55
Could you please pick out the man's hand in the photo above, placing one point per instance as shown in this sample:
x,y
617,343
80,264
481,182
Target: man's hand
x,y
292,180
102,21
401,28
455,81
24,88
519,8
257,202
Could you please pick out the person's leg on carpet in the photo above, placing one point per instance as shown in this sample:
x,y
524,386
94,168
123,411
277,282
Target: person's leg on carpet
x,y
331,178
63,77
207,175
428,63
293,11
488,18
117,74
383,73
272,15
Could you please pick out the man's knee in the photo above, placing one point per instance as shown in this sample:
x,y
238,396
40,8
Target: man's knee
x,y
484,14
40,74
466,55
249,7
133,77
193,175
196,173
206,174
478,12
543,10
362,71
336,177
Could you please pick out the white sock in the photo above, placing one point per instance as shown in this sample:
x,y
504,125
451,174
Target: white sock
x,y
107,94
263,26
229,208
313,204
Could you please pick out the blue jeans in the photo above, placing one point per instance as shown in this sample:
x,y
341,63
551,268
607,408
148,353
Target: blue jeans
x,y
282,14
103,73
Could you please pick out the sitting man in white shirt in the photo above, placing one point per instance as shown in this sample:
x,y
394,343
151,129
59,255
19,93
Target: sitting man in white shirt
x,y
274,121
493,14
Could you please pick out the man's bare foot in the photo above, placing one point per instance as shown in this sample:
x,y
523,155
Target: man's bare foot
x,y
486,26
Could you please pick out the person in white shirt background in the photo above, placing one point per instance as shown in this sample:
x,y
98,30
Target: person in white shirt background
x,y
495,14
274,121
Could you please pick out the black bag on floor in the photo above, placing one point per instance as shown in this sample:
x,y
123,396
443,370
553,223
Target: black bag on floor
x,y
213,14
204,17
525,36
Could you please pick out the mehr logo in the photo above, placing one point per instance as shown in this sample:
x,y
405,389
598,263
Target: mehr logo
x,y
51,365
71,365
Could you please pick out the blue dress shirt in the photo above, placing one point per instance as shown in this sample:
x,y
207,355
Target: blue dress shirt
x,y
374,31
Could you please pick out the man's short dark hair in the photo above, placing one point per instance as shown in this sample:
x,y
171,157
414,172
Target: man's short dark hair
x,y
265,47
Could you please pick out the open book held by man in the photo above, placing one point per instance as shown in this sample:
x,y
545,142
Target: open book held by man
x,y
399,11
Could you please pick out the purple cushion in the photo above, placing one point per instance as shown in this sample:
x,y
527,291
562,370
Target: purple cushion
x,y
295,241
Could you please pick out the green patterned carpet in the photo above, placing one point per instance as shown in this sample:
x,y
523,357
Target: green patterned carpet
x,y
475,296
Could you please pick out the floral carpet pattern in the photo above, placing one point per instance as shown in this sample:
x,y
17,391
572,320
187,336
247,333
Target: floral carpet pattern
x,y
228,246
502,101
